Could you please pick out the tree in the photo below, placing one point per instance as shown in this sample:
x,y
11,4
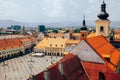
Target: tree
x,y
55,31
67,31
77,31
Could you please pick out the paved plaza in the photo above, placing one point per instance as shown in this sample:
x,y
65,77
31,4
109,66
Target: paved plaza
x,y
20,68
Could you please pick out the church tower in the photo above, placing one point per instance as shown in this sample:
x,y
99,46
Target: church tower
x,y
83,30
103,24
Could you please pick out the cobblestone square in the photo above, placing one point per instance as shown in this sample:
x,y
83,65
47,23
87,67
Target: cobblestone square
x,y
20,68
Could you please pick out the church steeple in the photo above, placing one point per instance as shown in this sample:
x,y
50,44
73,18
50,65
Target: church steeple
x,y
103,24
83,30
103,14
84,20
84,27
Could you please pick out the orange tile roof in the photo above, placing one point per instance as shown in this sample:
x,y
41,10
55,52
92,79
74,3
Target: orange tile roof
x,y
105,49
24,39
33,39
10,43
91,35
117,36
115,57
14,43
101,45
93,70
3,44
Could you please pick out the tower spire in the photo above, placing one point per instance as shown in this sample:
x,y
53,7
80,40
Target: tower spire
x,y
103,14
84,27
84,20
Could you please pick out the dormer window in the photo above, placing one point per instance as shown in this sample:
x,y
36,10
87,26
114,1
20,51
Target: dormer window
x,y
101,76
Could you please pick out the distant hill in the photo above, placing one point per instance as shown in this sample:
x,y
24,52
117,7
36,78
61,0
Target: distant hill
x,y
7,23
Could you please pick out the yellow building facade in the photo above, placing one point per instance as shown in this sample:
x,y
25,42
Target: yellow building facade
x,y
51,46
103,28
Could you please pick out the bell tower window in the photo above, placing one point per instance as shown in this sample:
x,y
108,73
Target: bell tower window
x,y
82,35
101,29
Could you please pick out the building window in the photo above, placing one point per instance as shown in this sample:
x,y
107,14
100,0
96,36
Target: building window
x,y
101,29
61,45
101,76
56,45
82,35
50,44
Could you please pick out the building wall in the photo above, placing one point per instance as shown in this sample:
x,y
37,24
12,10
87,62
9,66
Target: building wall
x,y
54,51
10,52
106,26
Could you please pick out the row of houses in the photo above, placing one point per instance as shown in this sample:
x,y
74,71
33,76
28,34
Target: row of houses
x,y
15,46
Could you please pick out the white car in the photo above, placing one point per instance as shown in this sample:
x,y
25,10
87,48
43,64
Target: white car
x,y
38,54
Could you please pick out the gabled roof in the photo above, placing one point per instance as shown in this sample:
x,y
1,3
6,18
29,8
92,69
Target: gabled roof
x,y
86,53
101,45
105,49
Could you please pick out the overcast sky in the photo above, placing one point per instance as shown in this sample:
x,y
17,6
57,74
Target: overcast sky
x,y
56,10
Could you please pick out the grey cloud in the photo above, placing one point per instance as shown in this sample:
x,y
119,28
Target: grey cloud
x,y
55,10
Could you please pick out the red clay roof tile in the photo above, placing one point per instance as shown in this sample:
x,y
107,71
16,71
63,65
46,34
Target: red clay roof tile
x,y
105,49
93,70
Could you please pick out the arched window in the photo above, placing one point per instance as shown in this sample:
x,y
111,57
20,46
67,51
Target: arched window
x,y
83,35
101,29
